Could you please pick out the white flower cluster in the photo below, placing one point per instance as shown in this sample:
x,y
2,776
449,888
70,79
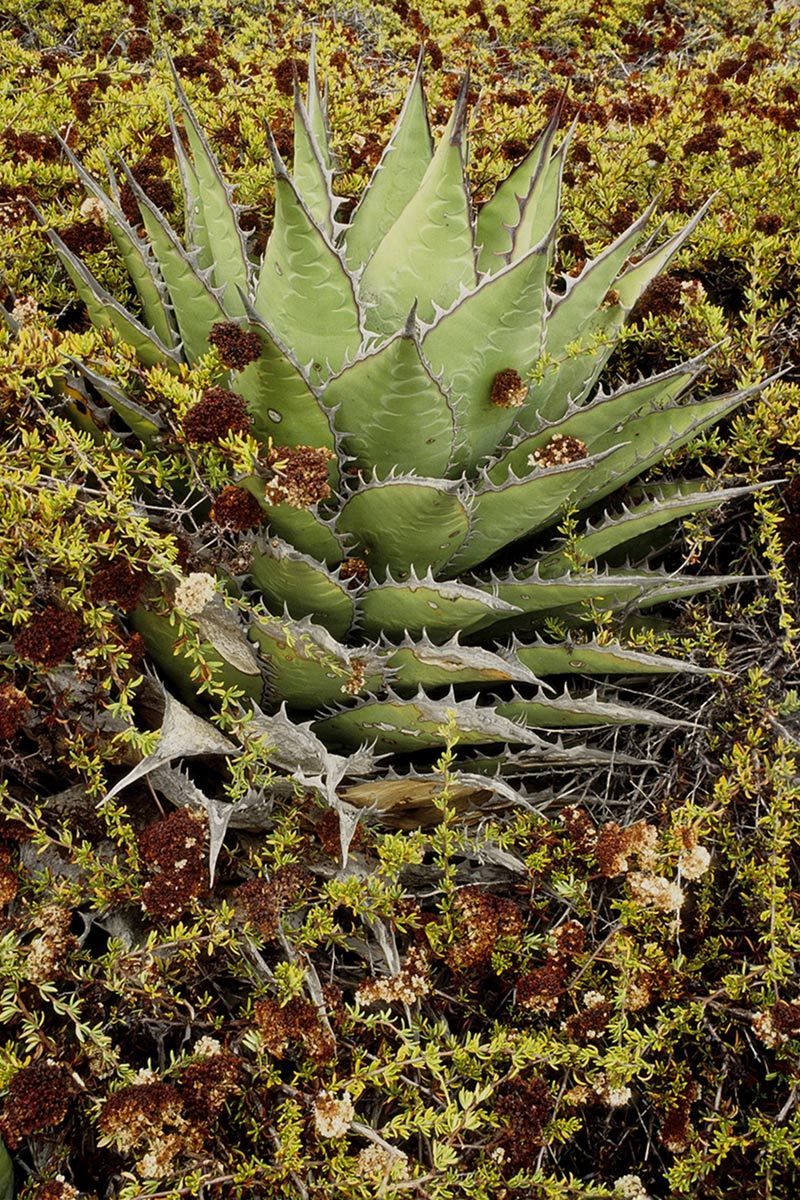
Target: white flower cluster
x,y
630,1187
655,891
333,1114
194,592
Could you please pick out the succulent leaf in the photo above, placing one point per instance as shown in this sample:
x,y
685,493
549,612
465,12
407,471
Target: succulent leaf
x,y
305,587
419,606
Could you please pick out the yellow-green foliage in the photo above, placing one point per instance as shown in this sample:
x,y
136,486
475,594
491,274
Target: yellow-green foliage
x,y
513,1001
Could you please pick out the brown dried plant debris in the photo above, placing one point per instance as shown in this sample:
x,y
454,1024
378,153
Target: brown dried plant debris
x,y
39,1097
174,852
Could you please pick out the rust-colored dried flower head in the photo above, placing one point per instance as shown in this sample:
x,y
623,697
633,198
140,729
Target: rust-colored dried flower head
x,y
39,1097
295,1024
541,988
148,1119
207,1083
263,901
616,846
118,583
217,414
9,883
174,851
85,237
235,346
481,920
524,1107
286,72
14,705
49,637
236,508
354,569
559,451
509,389
300,475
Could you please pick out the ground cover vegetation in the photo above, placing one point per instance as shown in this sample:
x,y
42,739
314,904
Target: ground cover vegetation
x,y
239,956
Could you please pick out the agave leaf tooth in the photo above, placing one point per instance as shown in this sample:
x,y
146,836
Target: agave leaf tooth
x,y
634,521
145,424
541,208
499,325
396,177
499,217
184,734
107,313
304,289
568,711
391,410
424,605
428,251
635,278
405,521
603,417
520,506
291,745
286,576
305,528
225,239
134,252
195,303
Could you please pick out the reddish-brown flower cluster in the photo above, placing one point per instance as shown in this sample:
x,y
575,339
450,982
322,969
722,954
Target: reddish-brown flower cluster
x,y
173,849
236,508
676,1128
49,637
296,1024
354,569
588,1025
40,147
147,1119
264,901
616,846
207,1083
199,65
513,149
655,152
662,297
704,142
524,1107
54,1189
9,883
14,705
580,828
39,1097
140,47
327,830
118,583
80,94
481,919
85,237
286,72
768,222
150,178
559,451
541,988
235,346
300,475
217,414
509,389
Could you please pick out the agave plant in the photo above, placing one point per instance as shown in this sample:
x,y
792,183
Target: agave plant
x,y
425,395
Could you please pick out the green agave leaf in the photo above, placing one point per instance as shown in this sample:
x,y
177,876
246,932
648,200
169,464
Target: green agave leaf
x,y
134,252
304,291
225,239
397,725
405,523
566,711
196,304
304,587
500,216
6,1174
420,663
391,411
584,323
222,642
427,256
502,513
497,326
574,594
396,178
425,605
604,416
107,313
311,176
146,425
663,505
597,658
317,108
307,667
303,528
280,400
649,437
540,209
195,231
